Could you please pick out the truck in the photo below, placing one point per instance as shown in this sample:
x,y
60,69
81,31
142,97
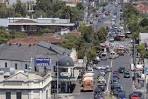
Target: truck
x,y
88,82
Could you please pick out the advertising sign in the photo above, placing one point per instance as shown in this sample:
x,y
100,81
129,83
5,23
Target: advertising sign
x,y
42,62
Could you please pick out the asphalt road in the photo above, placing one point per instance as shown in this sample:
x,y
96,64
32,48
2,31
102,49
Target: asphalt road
x,y
124,61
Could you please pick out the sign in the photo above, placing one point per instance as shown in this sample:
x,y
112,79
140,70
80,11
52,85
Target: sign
x,y
42,62
65,74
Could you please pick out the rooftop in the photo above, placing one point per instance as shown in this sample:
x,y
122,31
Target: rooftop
x,y
50,38
20,52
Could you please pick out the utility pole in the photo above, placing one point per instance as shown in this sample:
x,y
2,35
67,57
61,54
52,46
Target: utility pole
x,y
57,80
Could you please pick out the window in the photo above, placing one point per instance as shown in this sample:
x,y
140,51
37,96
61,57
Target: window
x,y
5,64
8,95
15,65
18,95
26,66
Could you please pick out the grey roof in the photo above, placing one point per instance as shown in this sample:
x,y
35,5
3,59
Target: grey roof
x,y
65,61
25,53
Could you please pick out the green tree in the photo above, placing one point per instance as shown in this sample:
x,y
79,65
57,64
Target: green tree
x,y
144,22
101,34
20,9
141,50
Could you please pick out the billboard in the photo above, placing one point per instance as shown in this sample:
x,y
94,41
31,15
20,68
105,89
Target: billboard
x,y
42,62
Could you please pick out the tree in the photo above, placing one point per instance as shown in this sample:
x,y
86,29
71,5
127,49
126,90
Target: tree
x,y
101,34
70,42
144,22
87,33
141,50
20,9
91,54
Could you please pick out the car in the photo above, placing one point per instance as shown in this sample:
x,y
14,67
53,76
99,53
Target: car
x,y
102,87
121,69
115,86
121,95
99,96
97,92
136,95
117,90
126,74
114,80
115,73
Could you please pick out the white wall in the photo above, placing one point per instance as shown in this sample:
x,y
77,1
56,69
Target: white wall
x,y
33,94
20,65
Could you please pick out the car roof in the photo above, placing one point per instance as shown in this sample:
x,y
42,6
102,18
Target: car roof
x,y
136,93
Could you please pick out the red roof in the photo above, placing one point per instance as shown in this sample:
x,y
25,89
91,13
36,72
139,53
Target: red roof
x,y
142,8
51,38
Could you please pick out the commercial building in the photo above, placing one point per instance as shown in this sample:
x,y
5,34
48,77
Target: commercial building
x,y
36,71
28,25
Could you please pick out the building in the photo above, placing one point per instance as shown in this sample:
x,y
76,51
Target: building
x,y
28,25
36,71
71,3
23,85
143,37
142,7
11,2
35,25
4,2
49,38
22,57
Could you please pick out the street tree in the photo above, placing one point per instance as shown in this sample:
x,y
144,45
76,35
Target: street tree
x,y
141,50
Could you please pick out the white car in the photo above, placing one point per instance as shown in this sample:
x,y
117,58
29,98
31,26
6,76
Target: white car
x,y
101,68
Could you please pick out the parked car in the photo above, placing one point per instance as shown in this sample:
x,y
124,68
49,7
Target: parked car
x,y
121,69
121,95
136,95
117,90
116,86
126,74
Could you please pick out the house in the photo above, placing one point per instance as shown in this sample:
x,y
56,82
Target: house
x,y
142,7
11,2
28,25
23,85
71,3
143,37
4,1
36,71
24,57
49,38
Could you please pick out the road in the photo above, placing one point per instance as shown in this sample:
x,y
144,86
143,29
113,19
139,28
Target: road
x,y
124,61
116,63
